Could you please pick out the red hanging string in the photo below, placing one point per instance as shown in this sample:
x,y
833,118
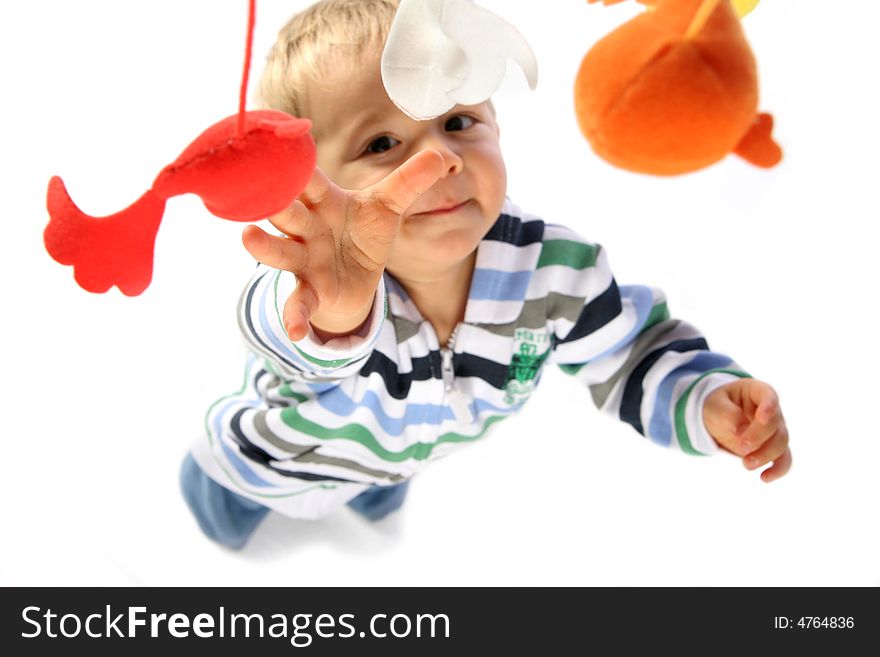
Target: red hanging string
x,y
242,95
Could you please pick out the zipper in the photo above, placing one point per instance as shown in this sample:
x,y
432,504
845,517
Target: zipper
x,y
460,408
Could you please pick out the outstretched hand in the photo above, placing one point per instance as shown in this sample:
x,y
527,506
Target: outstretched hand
x,y
744,418
337,242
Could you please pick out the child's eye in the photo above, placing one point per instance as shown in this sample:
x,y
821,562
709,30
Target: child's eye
x,y
459,122
381,144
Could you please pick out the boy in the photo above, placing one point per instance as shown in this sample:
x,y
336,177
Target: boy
x,y
408,306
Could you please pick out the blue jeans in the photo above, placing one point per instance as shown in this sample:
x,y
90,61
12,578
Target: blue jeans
x,y
230,519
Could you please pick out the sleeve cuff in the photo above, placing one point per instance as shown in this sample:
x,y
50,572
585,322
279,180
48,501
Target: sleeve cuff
x,y
693,436
342,348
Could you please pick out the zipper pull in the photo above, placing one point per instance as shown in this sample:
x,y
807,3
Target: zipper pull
x,y
460,408
448,372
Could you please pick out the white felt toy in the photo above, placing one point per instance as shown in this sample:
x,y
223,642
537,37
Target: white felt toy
x,y
441,53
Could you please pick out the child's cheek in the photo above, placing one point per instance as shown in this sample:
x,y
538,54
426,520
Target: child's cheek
x,y
361,175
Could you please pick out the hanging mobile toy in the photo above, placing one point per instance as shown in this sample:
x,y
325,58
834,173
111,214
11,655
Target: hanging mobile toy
x,y
443,53
244,168
675,90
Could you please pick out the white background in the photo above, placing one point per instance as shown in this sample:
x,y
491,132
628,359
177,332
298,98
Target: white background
x,y
103,394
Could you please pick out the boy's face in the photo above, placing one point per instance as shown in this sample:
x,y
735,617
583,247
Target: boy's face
x,y
362,136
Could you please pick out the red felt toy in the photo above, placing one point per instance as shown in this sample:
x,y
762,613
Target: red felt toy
x,y
244,168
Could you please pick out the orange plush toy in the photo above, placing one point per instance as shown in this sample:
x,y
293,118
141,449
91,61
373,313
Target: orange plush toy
x,y
674,90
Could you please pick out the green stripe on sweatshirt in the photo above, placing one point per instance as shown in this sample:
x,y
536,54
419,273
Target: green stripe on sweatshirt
x,y
576,255
659,313
360,434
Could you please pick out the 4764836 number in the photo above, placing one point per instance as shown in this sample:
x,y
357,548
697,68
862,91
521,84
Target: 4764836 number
x,y
814,622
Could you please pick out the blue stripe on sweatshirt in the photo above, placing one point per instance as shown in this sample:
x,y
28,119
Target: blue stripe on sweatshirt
x,y
321,388
660,426
340,404
246,472
252,399
642,299
495,285
281,348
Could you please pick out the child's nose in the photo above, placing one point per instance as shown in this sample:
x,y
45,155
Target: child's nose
x,y
454,162
451,156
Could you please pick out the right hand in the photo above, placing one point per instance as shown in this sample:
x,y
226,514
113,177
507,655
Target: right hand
x,y
337,243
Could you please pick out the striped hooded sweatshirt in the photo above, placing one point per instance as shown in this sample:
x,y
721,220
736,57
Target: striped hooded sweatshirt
x,y
315,424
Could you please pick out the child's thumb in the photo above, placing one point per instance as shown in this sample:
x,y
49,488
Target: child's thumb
x,y
400,188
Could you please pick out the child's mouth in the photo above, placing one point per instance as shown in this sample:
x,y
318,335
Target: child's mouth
x,y
445,209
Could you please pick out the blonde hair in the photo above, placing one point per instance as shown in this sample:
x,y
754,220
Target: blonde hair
x,y
327,30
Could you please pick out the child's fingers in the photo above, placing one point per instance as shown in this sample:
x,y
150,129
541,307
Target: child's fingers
x,y
295,220
771,450
765,400
760,432
757,434
780,468
766,414
273,251
317,190
298,309
725,420
400,188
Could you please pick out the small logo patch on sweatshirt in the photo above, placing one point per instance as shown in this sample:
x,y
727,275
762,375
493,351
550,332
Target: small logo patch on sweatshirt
x,y
531,348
